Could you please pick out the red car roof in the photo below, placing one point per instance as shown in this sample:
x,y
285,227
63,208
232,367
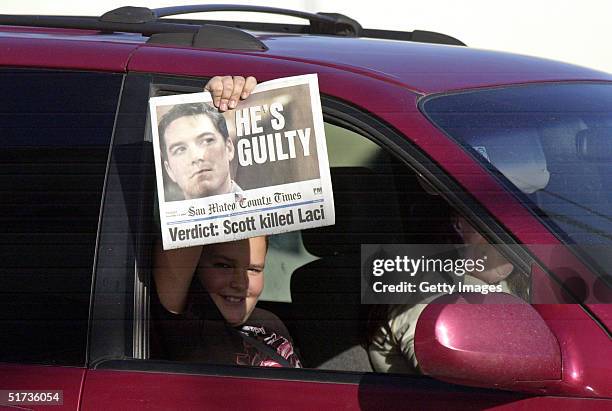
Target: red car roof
x,y
424,68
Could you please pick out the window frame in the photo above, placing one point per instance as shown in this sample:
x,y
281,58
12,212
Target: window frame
x,y
335,112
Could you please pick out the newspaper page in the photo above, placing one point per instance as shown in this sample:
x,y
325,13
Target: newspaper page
x,y
259,169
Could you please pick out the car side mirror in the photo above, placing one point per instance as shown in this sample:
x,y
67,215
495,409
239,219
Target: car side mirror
x,y
493,341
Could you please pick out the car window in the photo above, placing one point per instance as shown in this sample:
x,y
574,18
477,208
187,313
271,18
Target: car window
x,y
287,252
552,143
312,277
312,290
55,142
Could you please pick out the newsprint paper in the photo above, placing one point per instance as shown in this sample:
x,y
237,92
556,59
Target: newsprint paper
x,y
259,169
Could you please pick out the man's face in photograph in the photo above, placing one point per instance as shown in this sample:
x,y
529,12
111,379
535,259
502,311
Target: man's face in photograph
x,y
197,156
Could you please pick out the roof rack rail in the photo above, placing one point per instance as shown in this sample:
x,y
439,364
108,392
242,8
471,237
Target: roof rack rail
x,y
143,21
219,34
320,23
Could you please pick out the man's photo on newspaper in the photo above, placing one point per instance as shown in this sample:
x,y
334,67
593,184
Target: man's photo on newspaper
x,y
196,151
205,152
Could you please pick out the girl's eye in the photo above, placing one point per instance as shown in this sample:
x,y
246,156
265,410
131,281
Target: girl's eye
x,y
255,270
222,265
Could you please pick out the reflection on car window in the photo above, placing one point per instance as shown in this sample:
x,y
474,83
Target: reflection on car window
x,y
553,142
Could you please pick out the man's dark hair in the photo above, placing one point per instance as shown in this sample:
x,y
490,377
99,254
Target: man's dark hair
x,y
191,109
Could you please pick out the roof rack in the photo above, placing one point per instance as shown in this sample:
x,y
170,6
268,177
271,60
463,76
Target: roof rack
x,y
219,34
143,21
320,23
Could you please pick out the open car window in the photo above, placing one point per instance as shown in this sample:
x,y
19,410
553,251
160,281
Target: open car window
x,y
312,277
312,290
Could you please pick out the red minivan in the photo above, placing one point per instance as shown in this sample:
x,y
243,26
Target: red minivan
x,y
419,127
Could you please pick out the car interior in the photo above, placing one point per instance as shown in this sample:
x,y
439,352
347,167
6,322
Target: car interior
x,y
313,277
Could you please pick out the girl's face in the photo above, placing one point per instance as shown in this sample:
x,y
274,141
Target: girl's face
x,y
232,273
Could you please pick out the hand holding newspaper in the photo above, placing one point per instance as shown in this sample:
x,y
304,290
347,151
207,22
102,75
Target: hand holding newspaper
x,y
259,169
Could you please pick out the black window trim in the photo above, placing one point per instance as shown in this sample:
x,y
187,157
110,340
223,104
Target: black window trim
x,y
363,379
102,345
98,231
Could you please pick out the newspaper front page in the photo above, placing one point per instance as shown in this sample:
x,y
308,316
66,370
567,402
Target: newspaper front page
x,y
259,169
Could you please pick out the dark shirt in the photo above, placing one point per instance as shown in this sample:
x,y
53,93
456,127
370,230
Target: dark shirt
x,y
200,334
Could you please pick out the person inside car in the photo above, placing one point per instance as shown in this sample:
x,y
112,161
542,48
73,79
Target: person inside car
x,y
391,328
214,319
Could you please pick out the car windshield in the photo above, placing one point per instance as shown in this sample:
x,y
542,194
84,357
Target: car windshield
x,y
552,142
